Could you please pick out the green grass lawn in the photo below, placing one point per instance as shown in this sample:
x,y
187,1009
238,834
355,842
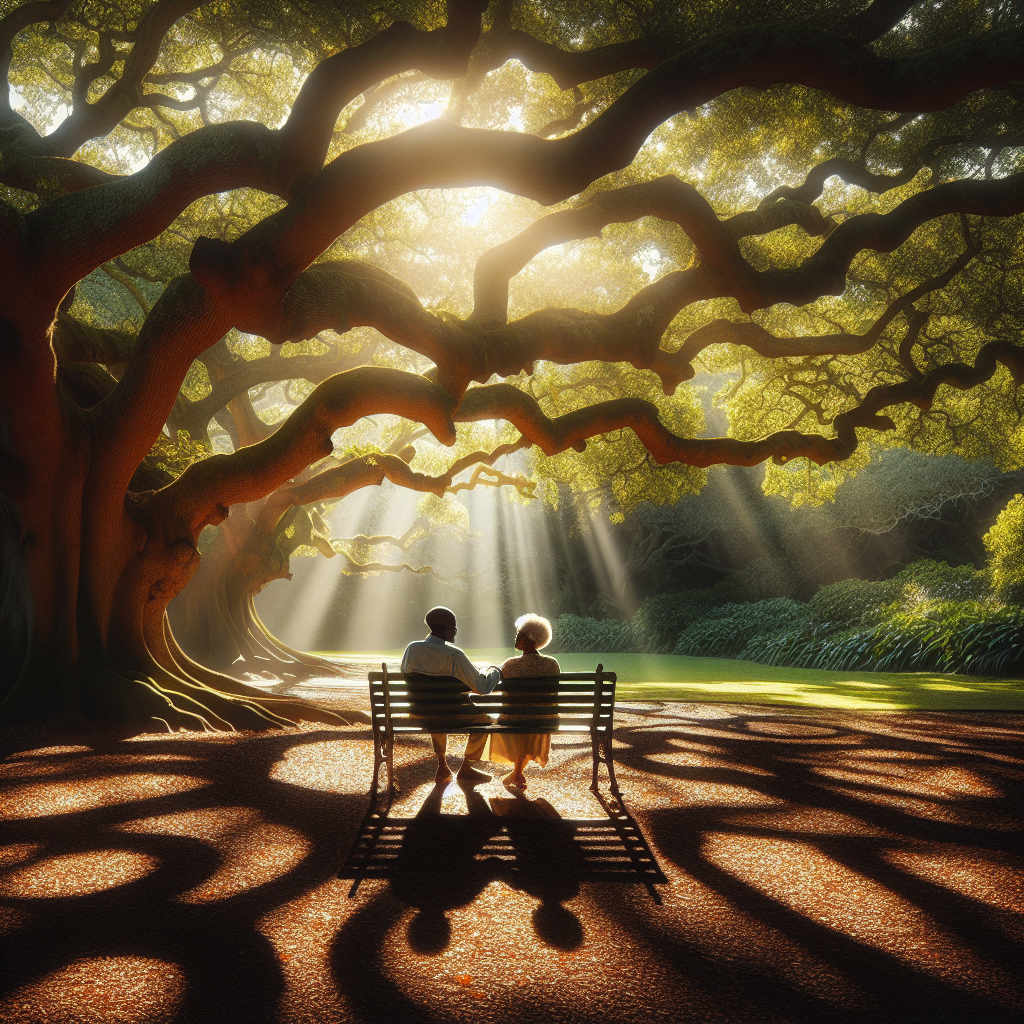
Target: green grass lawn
x,y
673,677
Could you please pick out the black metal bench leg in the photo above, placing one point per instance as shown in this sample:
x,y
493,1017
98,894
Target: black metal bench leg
x,y
610,762
389,754
602,752
383,755
378,760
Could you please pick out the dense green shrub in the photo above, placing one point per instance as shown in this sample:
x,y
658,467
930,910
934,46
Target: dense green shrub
x,y
659,620
925,580
1005,546
930,617
813,646
963,636
851,603
726,631
710,638
971,637
573,634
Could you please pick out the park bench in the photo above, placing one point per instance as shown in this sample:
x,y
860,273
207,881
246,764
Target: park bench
x,y
570,703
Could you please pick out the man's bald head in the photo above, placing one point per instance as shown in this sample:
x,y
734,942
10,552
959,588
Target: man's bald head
x,y
441,622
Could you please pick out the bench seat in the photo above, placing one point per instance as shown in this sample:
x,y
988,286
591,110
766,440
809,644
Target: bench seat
x,y
571,703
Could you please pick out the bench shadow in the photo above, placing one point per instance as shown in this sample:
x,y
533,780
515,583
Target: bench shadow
x,y
437,862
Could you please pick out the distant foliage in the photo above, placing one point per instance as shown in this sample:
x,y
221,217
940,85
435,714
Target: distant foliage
x,y
1005,546
727,631
710,638
573,634
964,636
659,620
968,637
932,617
925,580
813,646
900,482
174,457
850,603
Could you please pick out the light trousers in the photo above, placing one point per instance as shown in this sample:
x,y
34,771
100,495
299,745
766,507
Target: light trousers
x,y
474,748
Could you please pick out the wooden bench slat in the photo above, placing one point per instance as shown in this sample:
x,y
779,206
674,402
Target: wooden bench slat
x,y
492,707
521,700
495,703
522,724
526,723
402,725
497,697
569,677
534,684
511,682
528,715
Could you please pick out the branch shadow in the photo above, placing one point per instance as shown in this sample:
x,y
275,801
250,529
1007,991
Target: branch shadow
x,y
82,801
863,795
897,807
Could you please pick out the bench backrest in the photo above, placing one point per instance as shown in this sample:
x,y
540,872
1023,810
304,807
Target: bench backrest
x,y
585,700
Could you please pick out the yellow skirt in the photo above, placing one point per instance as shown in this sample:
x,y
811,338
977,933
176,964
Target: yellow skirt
x,y
506,748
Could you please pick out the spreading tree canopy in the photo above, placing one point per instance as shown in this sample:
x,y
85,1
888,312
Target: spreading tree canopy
x,y
424,237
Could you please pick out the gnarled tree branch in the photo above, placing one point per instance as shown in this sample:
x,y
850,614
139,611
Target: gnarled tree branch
x,y
876,19
569,68
772,347
262,264
11,24
553,436
336,81
666,197
371,470
201,495
438,154
340,295
90,120
182,324
194,417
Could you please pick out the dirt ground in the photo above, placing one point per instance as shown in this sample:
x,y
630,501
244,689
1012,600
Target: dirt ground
x,y
767,865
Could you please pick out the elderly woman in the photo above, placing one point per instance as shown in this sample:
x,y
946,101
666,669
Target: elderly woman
x,y
533,632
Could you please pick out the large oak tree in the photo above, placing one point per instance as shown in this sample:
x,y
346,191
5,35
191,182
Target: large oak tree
x,y
779,157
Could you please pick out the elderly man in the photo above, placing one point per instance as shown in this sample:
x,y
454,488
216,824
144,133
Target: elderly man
x,y
437,655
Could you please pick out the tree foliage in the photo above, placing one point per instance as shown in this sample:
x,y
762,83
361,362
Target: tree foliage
x,y
325,245
1005,546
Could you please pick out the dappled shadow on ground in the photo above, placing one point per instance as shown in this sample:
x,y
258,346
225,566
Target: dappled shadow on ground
x,y
869,862
165,852
820,867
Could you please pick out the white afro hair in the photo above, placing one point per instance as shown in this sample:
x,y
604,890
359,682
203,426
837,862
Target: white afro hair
x,y
535,628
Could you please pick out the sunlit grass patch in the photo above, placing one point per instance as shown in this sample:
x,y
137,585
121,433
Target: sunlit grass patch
x,y
675,677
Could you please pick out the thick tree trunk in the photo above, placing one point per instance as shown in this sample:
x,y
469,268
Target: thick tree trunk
x,y
215,619
85,585
14,597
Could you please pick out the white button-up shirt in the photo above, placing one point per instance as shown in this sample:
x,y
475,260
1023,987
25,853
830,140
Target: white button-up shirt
x,y
436,657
